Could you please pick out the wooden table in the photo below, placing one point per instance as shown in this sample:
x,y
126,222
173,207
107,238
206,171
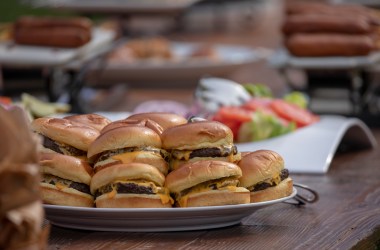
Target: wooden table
x,y
346,216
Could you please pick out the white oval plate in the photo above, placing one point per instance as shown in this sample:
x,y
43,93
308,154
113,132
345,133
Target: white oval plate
x,y
153,219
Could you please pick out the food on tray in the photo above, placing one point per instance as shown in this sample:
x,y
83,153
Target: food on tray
x,y
320,45
21,211
5,31
204,51
132,185
207,183
343,10
143,48
68,32
159,49
313,23
261,116
264,175
127,144
165,120
199,141
324,30
95,121
64,136
38,108
65,180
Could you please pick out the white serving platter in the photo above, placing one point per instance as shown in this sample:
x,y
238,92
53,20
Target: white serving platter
x,y
153,219
282,58
36,56
312,148
181,68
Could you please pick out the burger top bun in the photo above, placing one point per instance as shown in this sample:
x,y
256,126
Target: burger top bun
x,y
66,167
258,166
131,122
65,131
124,137
92,120
165,120
191,174
123,172
195,135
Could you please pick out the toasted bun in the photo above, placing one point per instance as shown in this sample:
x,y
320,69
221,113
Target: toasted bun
x,y
65,131
66,167
146,157
131,201
218,198
165,120
131,171
95,121
50,194
123,137
195,135
283,189
194,173
144,123
258,166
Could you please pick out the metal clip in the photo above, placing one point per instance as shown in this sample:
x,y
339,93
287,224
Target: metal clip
x,y
195,119
301,200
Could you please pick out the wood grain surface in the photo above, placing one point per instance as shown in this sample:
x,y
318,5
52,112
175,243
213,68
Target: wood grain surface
x,y
346,216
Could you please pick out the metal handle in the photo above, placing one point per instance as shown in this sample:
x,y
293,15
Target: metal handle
x,y
301,200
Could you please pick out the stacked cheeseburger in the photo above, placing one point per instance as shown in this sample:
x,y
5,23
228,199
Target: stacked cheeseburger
x,y
154,160
66,175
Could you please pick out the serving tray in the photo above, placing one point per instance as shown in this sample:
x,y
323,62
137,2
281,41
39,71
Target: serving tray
x,y
153,219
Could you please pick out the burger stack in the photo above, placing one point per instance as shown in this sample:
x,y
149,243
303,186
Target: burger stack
x,y
157,160
66,174
314,29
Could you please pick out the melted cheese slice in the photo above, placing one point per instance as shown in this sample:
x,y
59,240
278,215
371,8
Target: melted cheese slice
x,y
126,157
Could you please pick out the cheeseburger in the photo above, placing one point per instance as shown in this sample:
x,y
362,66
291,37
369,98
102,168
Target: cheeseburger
x,y
264,175
128,144
64,136
133,185
143,123
206,183
95,121
203,140
165,120
65,180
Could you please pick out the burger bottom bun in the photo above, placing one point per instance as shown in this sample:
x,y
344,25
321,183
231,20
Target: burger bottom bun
x,y
284,189
65,197
218,198
131,201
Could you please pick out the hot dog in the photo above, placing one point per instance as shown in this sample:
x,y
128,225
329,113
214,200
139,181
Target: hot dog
x,y
320,23
54,32
319,45
49,22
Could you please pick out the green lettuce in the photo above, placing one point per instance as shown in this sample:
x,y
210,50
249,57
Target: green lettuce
x,y
263,126
258,90
297,98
